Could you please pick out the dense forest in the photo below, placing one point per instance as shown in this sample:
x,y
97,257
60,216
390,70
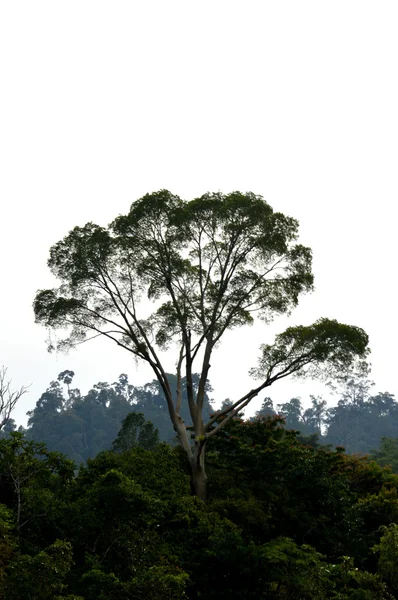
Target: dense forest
x,y
284,519
96,500
156,492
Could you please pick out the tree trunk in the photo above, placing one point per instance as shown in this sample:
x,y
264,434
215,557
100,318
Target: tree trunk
x,y
198,472
195,456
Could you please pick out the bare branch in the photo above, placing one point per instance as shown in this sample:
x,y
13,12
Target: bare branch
x,y
230,411
8,397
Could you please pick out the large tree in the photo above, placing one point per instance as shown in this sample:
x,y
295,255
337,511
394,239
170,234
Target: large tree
x,y
180,274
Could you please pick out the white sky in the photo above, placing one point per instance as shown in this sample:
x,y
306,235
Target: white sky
x,y
102,102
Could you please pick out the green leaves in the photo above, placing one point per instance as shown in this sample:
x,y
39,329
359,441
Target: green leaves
x,y
51,308
185,272
294,571
81,254
211,262
319,350
284,521
387,550
41,577
135,431
387,454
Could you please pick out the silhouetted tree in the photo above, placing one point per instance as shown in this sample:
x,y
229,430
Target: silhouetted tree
x,y
208,265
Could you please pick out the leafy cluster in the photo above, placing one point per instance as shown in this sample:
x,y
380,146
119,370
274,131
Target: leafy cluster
x,y
211,263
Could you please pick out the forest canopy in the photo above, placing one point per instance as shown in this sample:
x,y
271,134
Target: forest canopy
x,y
283,519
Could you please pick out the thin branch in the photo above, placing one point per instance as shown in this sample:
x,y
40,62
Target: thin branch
x,y
229,417
8,397
30,519
237,406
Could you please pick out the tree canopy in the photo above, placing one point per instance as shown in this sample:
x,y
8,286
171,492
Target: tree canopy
x,y
178,273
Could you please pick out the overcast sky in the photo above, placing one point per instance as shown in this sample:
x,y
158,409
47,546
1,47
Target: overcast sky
x,y
102,102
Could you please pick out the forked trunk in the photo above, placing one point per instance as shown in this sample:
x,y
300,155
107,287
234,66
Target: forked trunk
x,y
198,472
196,458
199,481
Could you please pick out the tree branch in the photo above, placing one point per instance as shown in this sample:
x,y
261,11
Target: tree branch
x,y
8,397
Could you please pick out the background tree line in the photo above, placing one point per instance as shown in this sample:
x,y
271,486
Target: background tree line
x,y
359,420
80,426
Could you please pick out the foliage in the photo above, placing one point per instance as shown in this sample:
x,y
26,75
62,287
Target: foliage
x,y
266,481
283,520
207,266
387,551
387,454
319,350
31,479
359,422
41,577
7,543
294,571
135,431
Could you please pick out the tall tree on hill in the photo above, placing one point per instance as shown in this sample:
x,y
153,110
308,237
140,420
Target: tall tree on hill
x,y
266,409
349,420
315,415
292,412
207,266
